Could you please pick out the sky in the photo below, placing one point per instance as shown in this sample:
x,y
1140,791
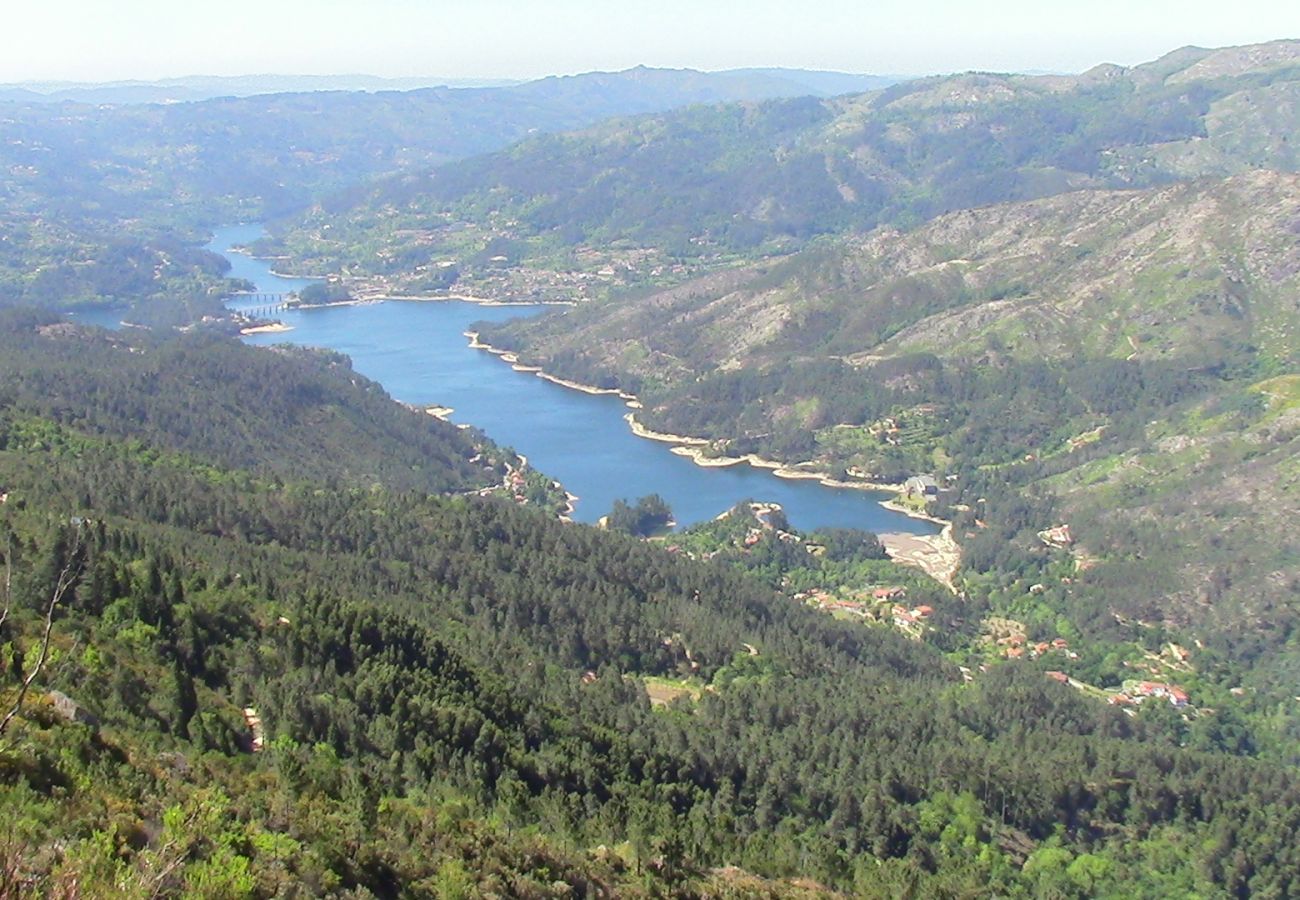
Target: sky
x,y
102,40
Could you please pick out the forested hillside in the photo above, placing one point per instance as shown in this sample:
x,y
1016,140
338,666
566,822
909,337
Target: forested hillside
x,y
99,202
272,153
650,200
265,632
270,683
282,413
1148,276
1121,362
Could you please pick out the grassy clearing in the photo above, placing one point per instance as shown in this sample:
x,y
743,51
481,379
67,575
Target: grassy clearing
x,y
663,691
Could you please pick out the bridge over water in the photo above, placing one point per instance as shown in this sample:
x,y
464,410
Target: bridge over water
x,y
262,304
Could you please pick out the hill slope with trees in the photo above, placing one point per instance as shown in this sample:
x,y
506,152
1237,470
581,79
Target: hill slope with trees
x,y
270,684
1124,362
650,200
99,203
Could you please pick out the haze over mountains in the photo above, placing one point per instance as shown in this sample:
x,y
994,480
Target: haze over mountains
x,y
734,84
72,174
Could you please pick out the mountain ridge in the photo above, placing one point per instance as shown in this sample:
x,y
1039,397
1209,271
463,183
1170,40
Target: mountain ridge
x,y
754,82
708,186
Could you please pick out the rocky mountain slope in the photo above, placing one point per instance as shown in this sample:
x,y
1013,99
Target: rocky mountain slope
x,y
1128,274
648,200
1129,357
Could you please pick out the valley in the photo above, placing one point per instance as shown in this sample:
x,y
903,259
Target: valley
x,y
655,483
419,352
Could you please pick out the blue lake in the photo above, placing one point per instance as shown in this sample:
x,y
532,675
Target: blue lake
x,y
418,352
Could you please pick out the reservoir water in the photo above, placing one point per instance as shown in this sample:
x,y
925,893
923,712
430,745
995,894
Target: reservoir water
x,y
418,352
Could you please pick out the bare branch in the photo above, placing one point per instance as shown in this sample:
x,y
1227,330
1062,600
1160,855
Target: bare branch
x,y
67,577
9,576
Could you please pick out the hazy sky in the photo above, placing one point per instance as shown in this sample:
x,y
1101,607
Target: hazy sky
x,y
119,39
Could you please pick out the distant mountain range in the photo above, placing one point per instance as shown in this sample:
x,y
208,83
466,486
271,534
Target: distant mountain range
x,y
772,175
731,84
207,87
278,151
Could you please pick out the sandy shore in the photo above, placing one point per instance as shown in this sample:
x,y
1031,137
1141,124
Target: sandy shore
x,y
279,274
447,298
376,292
570,505
894,506
938,555
576,386
781,470
488,301
273,328
642,432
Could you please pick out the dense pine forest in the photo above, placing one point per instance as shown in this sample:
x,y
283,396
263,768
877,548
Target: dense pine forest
x,y
279,682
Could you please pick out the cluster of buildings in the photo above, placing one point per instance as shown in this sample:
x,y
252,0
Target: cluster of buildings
x,y
1133,693
888,429
1136,692
768,517
754,535
1017,646
910,620
517,485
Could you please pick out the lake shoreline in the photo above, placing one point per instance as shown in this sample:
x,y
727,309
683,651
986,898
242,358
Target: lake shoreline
x,y
938,555
690,447
511,359
597,453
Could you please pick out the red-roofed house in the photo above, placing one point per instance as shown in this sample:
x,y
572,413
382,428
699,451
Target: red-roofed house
x,y
904,619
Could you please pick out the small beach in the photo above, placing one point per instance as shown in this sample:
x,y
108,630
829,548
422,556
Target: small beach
x,y
272,328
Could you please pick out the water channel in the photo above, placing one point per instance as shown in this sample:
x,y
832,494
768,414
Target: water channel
x,y
418,352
